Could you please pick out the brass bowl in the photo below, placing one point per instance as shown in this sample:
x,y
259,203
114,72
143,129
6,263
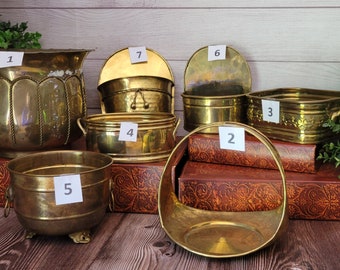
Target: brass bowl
x,y
34,194
219,234
156,136
41,101
302,113
137,94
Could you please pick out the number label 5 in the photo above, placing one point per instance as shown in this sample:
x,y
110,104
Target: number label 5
x,y
67,189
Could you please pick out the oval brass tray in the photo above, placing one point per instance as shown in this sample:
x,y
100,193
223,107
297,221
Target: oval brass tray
x,y
214,233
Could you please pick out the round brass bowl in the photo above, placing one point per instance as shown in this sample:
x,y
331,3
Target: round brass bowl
x,y
137,94
156,136
213,102
219,234
33,192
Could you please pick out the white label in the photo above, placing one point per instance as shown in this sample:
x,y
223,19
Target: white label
x,y
67,189
138,55
217,52
11,59
128,132
271,111
232,138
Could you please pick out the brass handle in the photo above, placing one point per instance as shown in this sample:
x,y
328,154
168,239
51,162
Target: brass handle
x,y
81,126
9,199
134,103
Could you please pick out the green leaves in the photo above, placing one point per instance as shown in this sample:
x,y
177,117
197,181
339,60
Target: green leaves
x,y
330,151
16,37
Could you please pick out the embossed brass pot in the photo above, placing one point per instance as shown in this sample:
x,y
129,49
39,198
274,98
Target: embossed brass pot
x,y
41,101
302,113
156,136
137,94
33,193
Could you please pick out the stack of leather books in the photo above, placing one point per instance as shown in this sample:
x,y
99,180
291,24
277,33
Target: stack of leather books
x,y
229,180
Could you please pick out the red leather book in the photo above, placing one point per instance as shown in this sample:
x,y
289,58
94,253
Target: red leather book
x,y
4,180
294,157
221,187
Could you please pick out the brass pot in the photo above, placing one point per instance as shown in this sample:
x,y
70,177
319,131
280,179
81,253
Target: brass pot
x,y
137,94
156,136
33,191
41,101
302,114
213,102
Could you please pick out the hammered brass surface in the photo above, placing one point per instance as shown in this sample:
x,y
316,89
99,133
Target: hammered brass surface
x,y
41,101
156,136
302,113
214,233
137,94
32,185
215,90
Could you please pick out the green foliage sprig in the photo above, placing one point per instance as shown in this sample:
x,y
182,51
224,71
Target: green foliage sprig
x,y
16,37
330,151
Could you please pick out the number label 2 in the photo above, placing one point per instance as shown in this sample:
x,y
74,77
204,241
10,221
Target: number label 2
x,y
67,189
232,138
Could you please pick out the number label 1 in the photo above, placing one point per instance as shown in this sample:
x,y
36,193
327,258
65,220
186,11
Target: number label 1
x,y
128,132
232,138
271,111
11,59
67,189
138,55
217,52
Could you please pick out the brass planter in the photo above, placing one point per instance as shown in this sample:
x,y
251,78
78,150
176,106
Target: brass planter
x,y
215,91
143,87
156,136
302,114
137,94
41,101
33,193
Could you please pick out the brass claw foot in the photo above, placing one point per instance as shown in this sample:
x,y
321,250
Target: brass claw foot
x,y
82,237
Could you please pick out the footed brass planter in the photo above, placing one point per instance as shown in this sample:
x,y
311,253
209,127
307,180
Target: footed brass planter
x,y
41,101
33,192
301,116
219,234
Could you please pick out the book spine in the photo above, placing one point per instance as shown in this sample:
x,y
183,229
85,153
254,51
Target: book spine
x,y
294,157
308,199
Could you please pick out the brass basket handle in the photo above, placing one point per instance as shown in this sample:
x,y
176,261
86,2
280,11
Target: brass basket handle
x,y
9,199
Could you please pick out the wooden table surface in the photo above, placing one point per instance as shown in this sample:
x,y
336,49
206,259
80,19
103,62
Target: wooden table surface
x,y
137,241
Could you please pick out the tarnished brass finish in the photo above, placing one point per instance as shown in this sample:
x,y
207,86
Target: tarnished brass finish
x,y
156,136
215,90
32,185
214,233
137,94
41,101
149,83
302,114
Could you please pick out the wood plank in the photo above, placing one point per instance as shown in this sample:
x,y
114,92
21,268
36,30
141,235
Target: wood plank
x,y
259,34
136,241
166,4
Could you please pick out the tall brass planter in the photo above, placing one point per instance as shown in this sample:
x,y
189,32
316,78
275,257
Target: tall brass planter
x,y
41,101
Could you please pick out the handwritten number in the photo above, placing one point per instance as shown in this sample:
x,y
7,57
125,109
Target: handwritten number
x,y
10,60
231,138
68,189
130,132
270,111
139,53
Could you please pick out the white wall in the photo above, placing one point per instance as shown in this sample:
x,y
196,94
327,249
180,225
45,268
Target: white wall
x,y
287,43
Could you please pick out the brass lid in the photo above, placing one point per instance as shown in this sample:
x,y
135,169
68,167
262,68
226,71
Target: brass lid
x,y
119,65
232,70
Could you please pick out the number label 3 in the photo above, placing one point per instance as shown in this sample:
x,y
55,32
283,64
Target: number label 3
x,y
271,111
67,189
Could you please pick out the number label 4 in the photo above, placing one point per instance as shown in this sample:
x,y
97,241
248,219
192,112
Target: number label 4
x,y
128,132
